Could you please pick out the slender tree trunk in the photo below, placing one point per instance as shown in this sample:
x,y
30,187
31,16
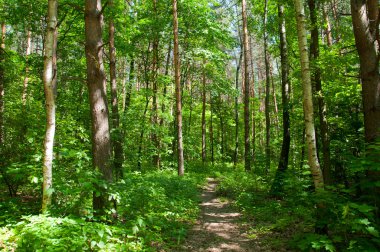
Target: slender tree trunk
x,y
267,91
131,80
365,19
96,82
178,95
247,150
316,78
328,34
155,138
2,80
117,146
307,97
237,105
252,94
277,186
211,130
26,78
163,107
139,155
204,113
50,81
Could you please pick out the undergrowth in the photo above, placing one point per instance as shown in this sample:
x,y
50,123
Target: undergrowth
x,y
154,212
289,222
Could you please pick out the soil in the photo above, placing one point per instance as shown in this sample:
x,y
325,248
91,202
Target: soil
x,y
219,227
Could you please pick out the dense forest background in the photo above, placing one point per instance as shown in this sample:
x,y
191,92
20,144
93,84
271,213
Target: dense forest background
x,y
104,103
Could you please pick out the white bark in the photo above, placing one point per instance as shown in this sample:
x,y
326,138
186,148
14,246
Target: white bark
x,y
49,79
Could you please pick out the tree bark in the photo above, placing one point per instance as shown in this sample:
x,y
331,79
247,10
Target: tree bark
x,y
328,34
96,82
316,78
178,96
267,91
237,106
117,145
247,150
277,186
307,97
26,78
155,67
204,113
365,19
2,80
50,81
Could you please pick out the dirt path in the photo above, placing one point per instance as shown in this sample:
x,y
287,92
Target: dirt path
x,y
218,228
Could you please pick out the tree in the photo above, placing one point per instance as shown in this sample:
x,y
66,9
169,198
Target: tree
x,y
365,20
50,81
2,80
96,82
307,97
316,79
178,96
267,90
117,146
285,84
247,150
204,113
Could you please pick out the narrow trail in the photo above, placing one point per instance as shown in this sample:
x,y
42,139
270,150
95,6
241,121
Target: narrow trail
x,y
218,228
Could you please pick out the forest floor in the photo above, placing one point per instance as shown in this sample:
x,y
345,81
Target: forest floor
x,y
220,226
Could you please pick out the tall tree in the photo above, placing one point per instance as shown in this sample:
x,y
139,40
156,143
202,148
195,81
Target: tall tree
x,y
365,19
204,113
247,151
267,90
116,144
96,82
26,78
285,84
316,78
2,80
50,81
155,68
178,96
307,97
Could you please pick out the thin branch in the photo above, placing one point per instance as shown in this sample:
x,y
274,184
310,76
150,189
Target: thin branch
x,y
103,8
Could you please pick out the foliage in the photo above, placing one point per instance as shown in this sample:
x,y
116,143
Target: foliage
x,y
154,211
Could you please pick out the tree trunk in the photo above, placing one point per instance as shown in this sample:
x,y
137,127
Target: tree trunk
x,y
252,94
316,78
2,80
247,151
365,19
211,131
267,91
307,97
96,82
237,106
117,146
177,76
131,80
155,67
277,186
26,78
163,107
204,113
50,81
327,25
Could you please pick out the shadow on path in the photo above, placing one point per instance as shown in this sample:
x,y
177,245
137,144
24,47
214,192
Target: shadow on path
x,y
217,229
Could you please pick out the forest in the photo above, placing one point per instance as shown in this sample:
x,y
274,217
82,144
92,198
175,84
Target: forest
x,y
189,125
